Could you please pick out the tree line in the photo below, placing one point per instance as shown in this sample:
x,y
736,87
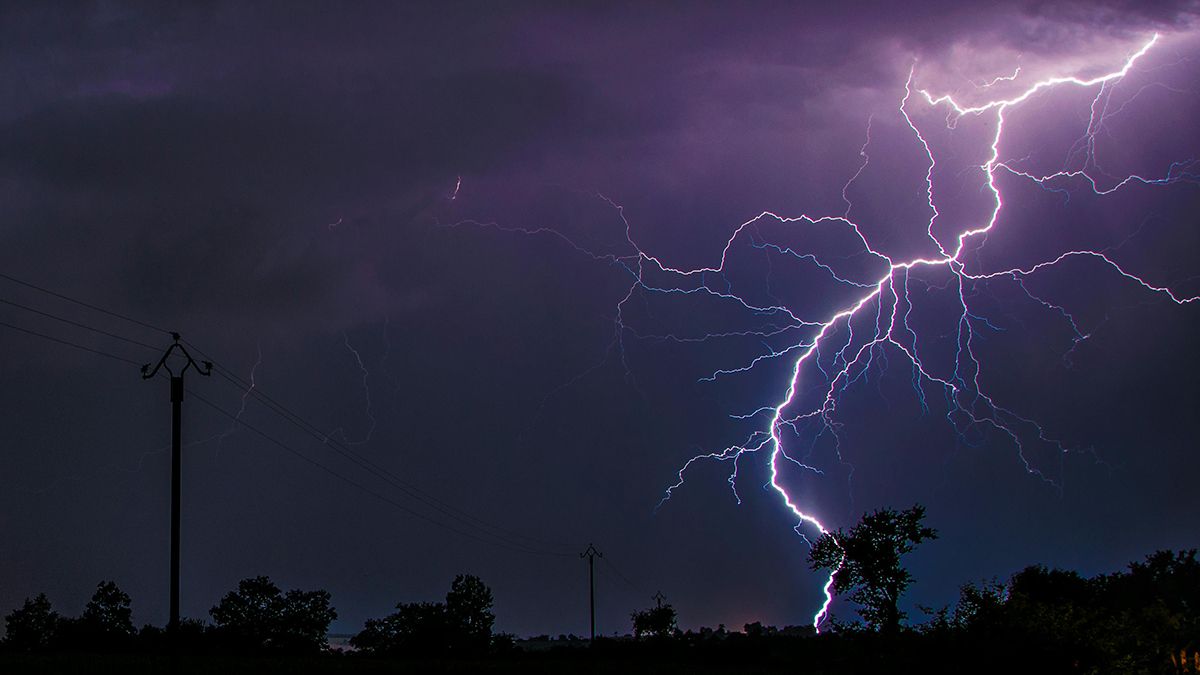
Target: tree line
x,y
1143,619
255,616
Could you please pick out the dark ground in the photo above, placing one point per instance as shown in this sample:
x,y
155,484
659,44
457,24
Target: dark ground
x,y
819,657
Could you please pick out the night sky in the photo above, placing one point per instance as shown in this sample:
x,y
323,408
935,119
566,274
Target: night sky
x,y
414,226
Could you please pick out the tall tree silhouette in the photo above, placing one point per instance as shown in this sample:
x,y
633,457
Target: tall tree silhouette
x,y
31,627
469,614
867,561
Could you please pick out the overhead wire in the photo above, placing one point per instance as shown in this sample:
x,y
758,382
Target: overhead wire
x,y
412,491
622,576
81,303
78,324
68,343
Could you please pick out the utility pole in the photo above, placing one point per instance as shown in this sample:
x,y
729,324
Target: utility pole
x,y
176,452
591,554
658,599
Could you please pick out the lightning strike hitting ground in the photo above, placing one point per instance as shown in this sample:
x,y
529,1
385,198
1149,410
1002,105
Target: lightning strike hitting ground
x,y
883,305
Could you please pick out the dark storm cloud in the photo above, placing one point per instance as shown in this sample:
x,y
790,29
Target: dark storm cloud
x,y
235,165
264,139
250,103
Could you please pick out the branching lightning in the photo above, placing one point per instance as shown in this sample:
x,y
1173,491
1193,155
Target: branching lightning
x,y
245,395
366,386
841,346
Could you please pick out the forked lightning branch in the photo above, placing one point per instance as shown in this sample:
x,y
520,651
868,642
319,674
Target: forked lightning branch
x,y
838,346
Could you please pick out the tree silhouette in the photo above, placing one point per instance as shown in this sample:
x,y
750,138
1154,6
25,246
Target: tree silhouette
x,y
866,562
658,622
304,620
259,615
246,615
980,605
33,626
108,613
106,624
414,628
1134,621
469,614
461,626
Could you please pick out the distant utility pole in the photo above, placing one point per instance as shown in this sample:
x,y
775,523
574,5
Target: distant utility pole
x,y
658,598
591,554
176,475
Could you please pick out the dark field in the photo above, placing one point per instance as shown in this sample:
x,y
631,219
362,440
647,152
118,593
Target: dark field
x,y
824,655
137,664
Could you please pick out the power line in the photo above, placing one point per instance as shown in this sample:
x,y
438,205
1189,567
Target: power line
x,y
621,576
69,343
81,303
77,324
364,463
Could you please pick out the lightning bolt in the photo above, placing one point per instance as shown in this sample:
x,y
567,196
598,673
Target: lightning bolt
x,y
843,345
366,385
233,427
1000,78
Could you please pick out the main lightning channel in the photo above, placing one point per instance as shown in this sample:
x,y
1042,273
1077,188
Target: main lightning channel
x,y
887,294
884,293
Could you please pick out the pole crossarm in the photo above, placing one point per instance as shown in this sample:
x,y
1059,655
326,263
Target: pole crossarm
x,y
590,552
204,367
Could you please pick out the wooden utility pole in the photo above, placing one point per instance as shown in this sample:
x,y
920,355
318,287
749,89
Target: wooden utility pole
x,y
176,457
591,554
